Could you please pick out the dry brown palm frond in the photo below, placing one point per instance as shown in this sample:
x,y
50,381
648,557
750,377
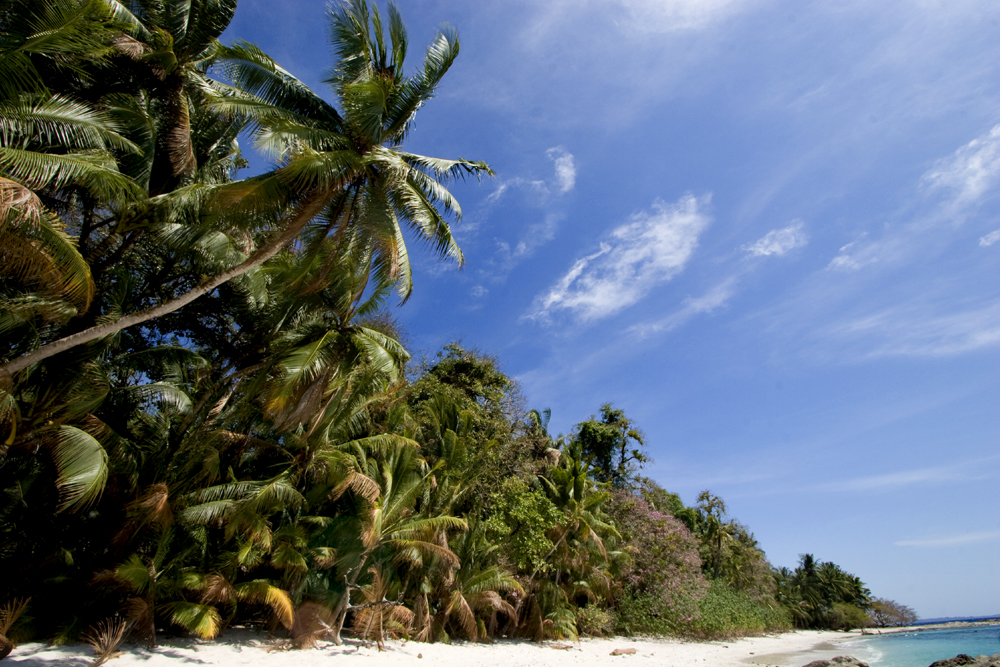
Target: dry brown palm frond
x,y
139,615
151,508
130,46
422,622
217,590
10,612
491,600
324,558
311,624
155,506
460,608
363,485
25,203
105,638
379,618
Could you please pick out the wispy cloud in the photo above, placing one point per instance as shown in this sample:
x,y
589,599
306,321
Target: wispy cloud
x,y
712,300
779,241
909,331
658,16
537,188
565,169
972,170
858,254
968,175
953,541
542,195
537,234
895,480
636,257
990,238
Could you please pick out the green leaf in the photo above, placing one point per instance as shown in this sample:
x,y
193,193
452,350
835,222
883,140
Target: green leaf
x,y
82,467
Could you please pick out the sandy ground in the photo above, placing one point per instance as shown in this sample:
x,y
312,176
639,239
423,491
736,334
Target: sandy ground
x,y
792,649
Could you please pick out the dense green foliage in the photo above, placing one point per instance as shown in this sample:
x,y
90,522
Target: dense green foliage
x,y
726,612
206,413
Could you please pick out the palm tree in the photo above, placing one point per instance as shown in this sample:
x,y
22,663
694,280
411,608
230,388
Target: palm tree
x,y
712,526
473,593
51,143
342,171
385,529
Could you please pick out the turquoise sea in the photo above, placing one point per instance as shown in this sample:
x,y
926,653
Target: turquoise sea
x,y
920,649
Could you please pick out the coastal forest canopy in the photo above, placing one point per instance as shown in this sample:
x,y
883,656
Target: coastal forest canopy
x,y
207,417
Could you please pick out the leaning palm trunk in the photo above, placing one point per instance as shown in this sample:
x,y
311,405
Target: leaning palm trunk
x,y
306,212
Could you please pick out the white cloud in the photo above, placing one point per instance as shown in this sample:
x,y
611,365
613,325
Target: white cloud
x,y
535,236
715,298
910,331
895,480
565,169
649,250
954,540
972,170
963,471
658,16
862,252
479,291
779,241
990,238
498,193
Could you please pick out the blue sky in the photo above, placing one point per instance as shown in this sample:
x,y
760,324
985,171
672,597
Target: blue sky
x,y
767,230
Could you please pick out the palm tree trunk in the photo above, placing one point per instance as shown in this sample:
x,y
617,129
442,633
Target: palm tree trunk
x,y
306,212
5,647
344,605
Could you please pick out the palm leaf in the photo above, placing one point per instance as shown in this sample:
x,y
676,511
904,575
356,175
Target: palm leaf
x,y
94,170
82,468
200,619
263,592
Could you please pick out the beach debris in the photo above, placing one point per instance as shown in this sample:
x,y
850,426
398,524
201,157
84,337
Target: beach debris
x,y
623,651
9,613
105,638
420,656
561,647
839,661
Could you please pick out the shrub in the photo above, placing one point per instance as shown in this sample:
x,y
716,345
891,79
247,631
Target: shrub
x,y
595,621
728,613
646,614
663,582
846,616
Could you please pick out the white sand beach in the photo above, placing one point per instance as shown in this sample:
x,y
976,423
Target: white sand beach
x,y
791,649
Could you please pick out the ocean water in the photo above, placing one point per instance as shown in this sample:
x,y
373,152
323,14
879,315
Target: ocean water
x,y
920,649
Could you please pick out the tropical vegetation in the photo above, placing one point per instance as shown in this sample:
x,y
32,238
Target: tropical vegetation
x,y
207,417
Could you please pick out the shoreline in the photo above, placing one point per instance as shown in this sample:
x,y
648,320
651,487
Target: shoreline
x,y
875,632
243,647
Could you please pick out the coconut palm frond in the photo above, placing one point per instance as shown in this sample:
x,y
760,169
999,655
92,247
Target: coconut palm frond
x,y
264,592
200,619
82,466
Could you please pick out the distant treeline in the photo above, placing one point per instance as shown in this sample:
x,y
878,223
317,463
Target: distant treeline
x,y
208,418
